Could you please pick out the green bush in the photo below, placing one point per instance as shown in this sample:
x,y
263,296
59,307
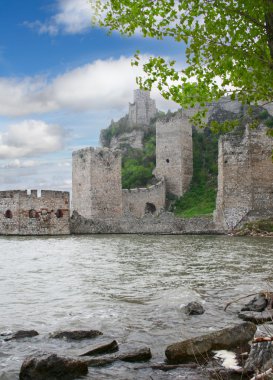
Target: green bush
x,y
138,165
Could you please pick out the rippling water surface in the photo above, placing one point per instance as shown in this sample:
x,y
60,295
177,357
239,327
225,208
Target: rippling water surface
x,y
132,288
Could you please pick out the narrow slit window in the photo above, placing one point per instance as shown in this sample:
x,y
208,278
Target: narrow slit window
x,y
8,214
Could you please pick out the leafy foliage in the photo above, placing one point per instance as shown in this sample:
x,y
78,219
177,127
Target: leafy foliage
x,y
229,46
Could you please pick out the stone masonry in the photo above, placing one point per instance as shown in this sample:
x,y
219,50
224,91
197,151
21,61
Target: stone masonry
x,y
96,183
174,152
22,213
141,201
245,178
142,110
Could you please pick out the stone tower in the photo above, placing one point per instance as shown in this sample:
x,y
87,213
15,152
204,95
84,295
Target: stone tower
x,y
142,110
96,183
174,152
245,178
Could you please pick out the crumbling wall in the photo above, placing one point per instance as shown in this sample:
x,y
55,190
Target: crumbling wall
x,y
164,223
96,183
174,152
142,110
245,178
141,201
27,214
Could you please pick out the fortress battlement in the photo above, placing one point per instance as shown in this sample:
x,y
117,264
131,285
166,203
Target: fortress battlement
x,y
141,201
160,182
34,213
40,194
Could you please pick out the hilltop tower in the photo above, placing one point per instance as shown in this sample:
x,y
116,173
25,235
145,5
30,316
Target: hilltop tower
x,y
142,110
174,152
96,183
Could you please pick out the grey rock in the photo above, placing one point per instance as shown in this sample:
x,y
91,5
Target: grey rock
x,y
21,334
102,349
256,317
260,357
76,334
193,308
229,337
141,355
52,367
259,303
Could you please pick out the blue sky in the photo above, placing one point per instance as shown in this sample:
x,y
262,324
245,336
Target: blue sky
x,y
61,82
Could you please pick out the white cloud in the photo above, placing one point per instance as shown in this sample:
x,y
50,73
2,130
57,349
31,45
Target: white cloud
x,y
30,138
17,164
72,17
100,85
24,96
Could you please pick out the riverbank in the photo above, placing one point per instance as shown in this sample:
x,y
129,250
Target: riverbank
x,y
130,287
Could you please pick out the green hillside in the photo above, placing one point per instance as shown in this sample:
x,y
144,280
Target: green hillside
x,y
201,196
138,165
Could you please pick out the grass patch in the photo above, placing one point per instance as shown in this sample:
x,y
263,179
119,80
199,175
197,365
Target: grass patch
x,y
196,202
201,197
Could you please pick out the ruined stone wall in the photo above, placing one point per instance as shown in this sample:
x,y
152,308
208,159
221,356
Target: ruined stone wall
x,y
142,110
245,178
27,214
141,201
174,152
96,183
164,223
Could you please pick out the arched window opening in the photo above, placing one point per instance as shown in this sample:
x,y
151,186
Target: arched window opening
x,y
8,214
150,208
59,213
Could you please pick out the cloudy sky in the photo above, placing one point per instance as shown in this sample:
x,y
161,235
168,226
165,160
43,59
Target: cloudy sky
x,y
61,82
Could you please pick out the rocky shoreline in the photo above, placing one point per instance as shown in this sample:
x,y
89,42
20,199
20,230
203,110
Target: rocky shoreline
x,y
202,356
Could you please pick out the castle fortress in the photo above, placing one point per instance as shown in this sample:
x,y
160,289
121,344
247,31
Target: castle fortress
x,y
100,205
96,178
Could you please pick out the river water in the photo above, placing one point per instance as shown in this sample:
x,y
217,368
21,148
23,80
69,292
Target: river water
x,y
132,288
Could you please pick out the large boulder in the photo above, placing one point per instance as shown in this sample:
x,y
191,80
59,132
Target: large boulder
x,y
52,367
223,339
